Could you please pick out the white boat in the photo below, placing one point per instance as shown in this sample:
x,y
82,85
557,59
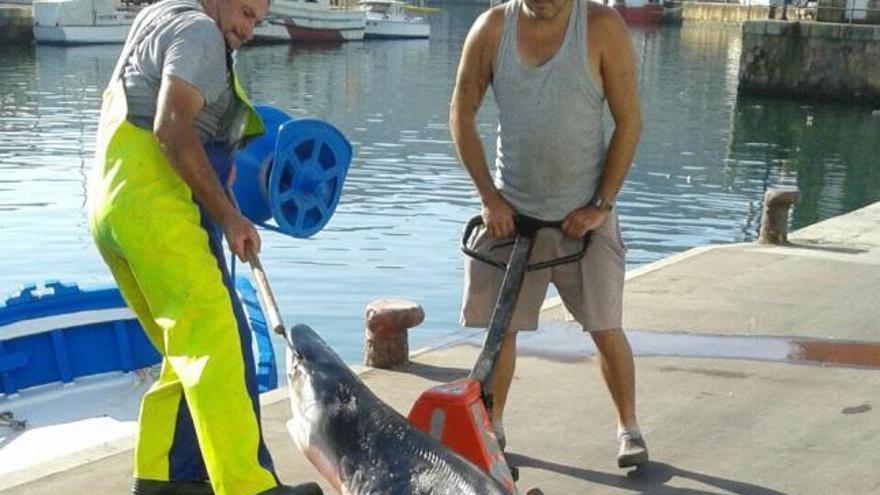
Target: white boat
x,y
74,364
310,21
73,22
393,19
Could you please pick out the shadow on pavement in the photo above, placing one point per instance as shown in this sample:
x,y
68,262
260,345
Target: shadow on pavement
x,y
824,247
649,479
441,374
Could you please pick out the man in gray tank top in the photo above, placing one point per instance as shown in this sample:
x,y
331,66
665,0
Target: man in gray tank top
x,y
553,65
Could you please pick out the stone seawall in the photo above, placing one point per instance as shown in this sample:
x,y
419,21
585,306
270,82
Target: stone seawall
x,y
16,24
724,12
820,61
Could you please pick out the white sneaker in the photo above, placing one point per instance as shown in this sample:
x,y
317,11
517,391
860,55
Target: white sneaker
x,y
633,451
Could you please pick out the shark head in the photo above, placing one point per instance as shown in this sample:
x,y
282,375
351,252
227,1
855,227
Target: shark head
x,y
315,372
316,380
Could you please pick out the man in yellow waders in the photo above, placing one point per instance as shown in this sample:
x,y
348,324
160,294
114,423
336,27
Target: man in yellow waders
x,y
171,116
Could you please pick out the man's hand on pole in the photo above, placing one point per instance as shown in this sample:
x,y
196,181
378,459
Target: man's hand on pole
x,y
241,235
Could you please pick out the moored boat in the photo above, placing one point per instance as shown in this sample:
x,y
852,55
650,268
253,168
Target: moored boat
x,y
74,364
640,11
61,333
393,19
77,22
310,21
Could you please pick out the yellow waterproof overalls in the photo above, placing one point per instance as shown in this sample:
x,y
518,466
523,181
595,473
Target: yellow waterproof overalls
x,y
201,418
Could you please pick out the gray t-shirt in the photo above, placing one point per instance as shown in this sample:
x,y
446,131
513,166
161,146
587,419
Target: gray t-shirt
x,y
189,46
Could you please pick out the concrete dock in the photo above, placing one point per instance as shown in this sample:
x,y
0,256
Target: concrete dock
x,y
758,373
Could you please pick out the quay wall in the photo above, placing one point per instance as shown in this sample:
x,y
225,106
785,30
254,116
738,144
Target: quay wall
x,y
16,24
726,12
819,61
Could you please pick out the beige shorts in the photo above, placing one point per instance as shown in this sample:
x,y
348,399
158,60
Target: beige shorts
x,y
591,289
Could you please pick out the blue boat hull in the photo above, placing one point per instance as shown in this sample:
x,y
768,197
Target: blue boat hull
x,y
62,332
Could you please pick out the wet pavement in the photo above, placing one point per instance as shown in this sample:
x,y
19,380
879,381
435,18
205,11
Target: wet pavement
x,y
757,373
554,342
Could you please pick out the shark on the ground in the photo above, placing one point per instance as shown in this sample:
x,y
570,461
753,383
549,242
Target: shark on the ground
x,y
360,444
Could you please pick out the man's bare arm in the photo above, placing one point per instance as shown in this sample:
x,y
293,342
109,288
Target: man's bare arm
x,y
621,90
617,68
472,81
176,109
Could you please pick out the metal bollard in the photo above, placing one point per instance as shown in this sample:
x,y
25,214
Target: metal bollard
x,y
774,217
386,337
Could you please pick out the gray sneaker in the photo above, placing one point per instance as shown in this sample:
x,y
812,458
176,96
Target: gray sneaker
x,y
498,430
502,441
633,451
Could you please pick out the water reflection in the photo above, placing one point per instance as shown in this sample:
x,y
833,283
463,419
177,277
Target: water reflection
x,y
829,151
705,159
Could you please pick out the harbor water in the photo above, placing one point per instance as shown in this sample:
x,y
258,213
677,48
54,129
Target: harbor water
x,y
705,159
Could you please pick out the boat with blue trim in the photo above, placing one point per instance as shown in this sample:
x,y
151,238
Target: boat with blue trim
x,y
60,332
